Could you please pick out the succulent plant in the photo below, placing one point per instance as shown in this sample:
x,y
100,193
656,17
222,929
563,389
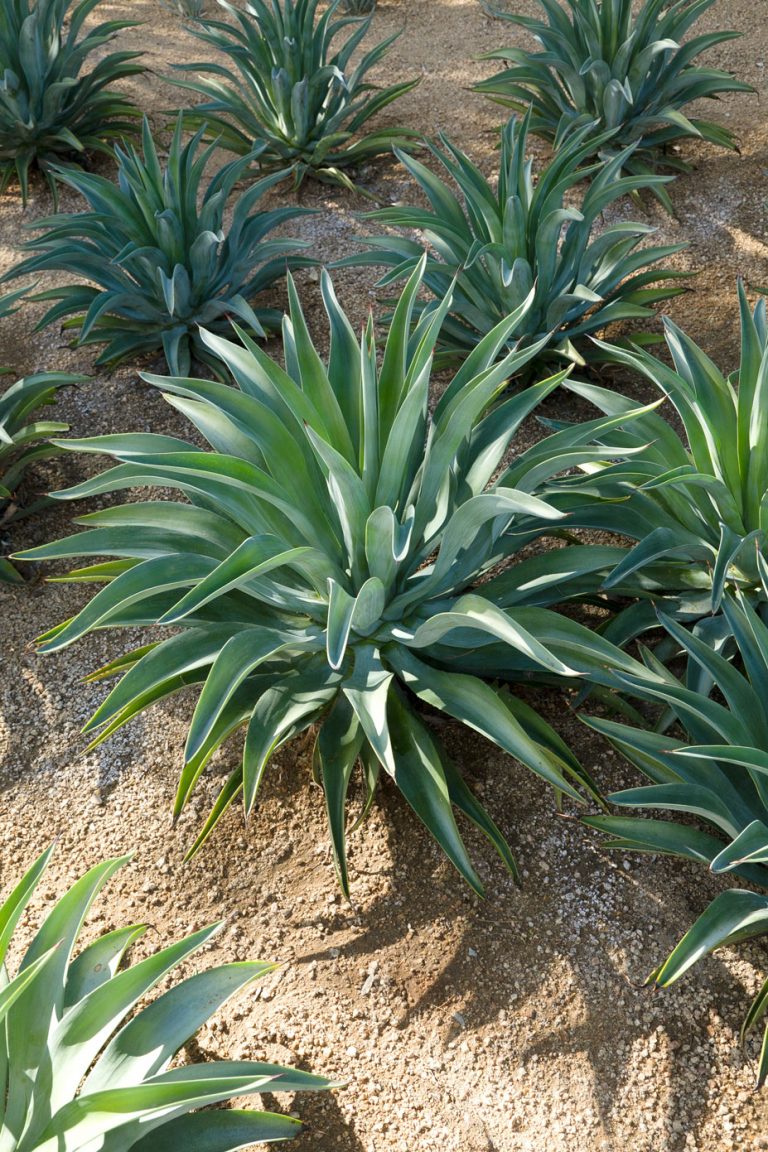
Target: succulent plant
x,y
157,255
696,506
501,244
49,112
77,1076
190,9
10,302
716,775
22,443
338,560
601,63
296,94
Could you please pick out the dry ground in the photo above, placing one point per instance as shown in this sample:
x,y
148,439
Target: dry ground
x,y
510,1024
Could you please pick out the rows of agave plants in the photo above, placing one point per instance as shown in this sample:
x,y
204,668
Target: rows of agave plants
x,y
347,555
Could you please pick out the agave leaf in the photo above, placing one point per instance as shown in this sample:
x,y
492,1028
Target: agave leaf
x,y
420,776
681,798
395,365
732,916
466,801
386,544
219,1131
642,835
757,1010
474,703
471,517
762,1069
133,1054
473,612
148,1105
228,794
749,847
315,381
74,1043
14,906
22,981
130,588
660,542
343,350
99,962
241,655
341,607
336,750
169,664
348,494
279,714
255,557
368,692
753,758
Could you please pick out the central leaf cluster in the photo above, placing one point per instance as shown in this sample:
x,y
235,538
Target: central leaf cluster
x,y
341,550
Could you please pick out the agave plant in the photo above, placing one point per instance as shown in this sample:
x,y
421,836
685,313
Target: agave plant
x,y
695,506
719,776
329,567
296,94
48,110
501,244
76,1076
22,444
10,302
358,7
600,64
191,9
159,254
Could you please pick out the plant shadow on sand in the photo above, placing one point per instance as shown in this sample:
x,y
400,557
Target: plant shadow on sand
x,y
566,954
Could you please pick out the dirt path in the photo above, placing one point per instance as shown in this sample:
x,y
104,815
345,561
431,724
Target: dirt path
x,y
513,1024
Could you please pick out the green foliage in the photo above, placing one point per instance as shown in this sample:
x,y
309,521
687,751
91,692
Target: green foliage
x,y
22,443
502,245
719,775
600,65
48,111
191,9
698,507
330,567
10,302
358,7
162,260
76,1076
295,93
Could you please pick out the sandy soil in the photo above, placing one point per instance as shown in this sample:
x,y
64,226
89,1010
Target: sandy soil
x,y
510,1024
